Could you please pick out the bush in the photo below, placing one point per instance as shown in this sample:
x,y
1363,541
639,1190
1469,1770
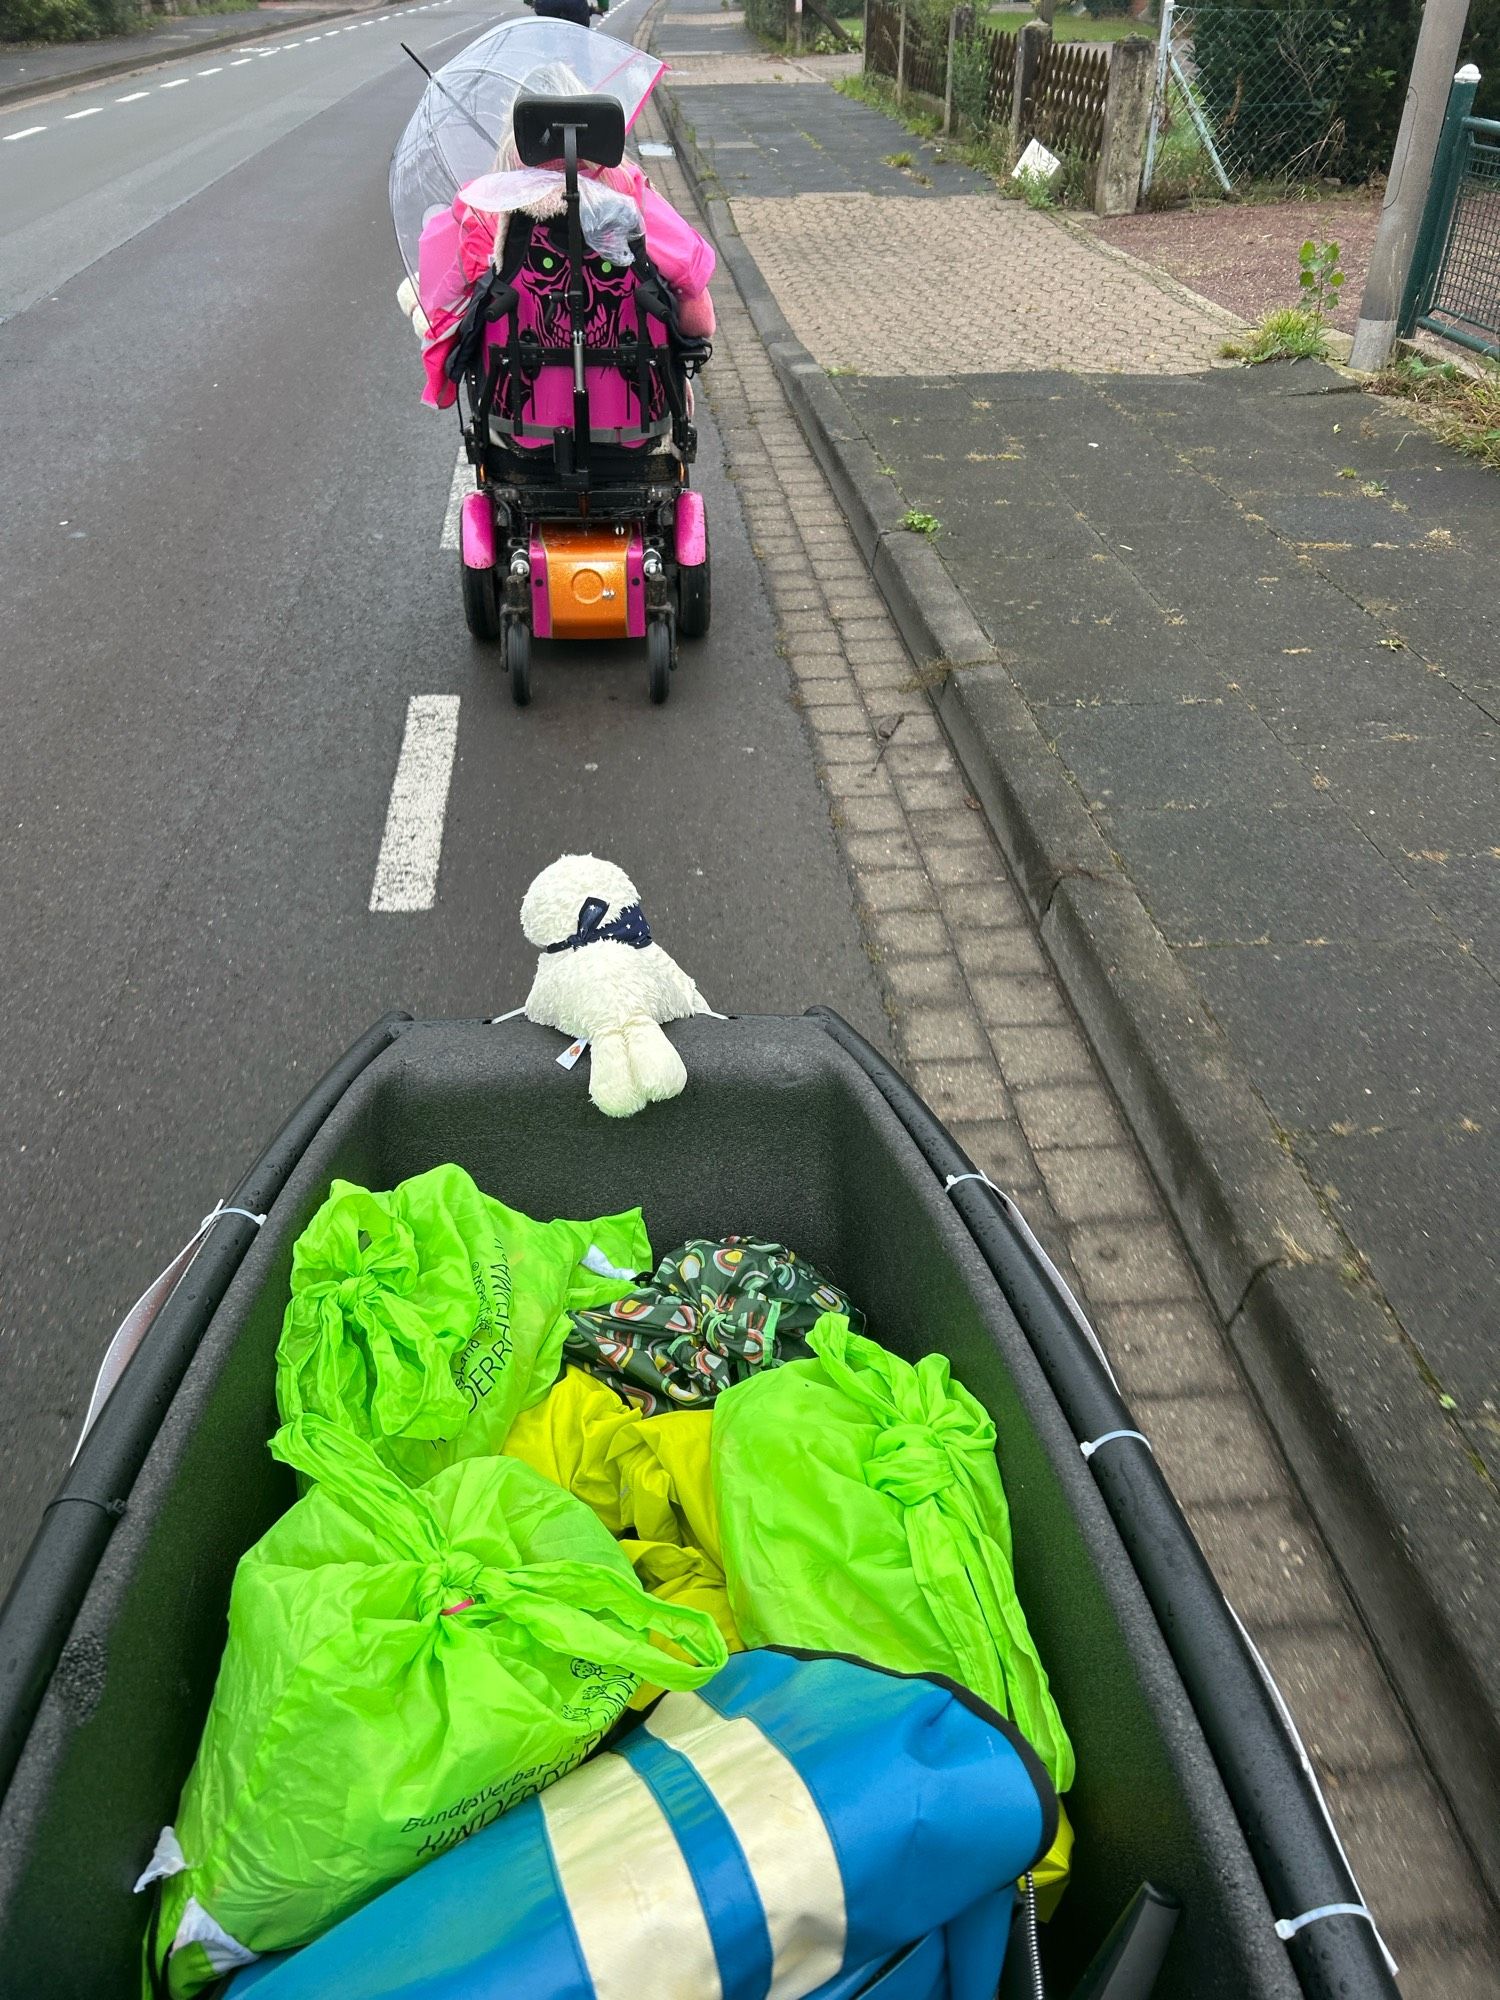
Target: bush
x,y
767,18
66,20
46,20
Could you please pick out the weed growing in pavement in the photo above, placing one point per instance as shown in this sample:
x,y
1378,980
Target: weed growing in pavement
x,y
1035,190
1297,333
1320,276
898,159
919,523
876,91
1290,333
1462,409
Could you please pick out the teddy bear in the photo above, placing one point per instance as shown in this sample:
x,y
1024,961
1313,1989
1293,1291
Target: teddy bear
x,y
601,979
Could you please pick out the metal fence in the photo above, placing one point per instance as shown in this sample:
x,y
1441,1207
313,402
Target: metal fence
x,y
1249,92
1455,281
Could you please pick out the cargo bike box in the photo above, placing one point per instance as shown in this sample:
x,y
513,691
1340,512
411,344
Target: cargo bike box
x,y
1190,1776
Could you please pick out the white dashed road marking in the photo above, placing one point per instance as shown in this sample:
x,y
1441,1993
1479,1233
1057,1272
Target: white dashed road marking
x,y
247,56
407,871
463,481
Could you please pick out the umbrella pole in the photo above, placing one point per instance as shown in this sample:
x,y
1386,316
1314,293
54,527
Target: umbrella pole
x,y
445,92
576,307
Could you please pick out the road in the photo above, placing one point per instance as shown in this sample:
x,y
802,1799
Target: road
x,y
221,584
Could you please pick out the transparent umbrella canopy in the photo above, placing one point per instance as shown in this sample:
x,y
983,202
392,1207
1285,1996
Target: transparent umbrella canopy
x,y
464,117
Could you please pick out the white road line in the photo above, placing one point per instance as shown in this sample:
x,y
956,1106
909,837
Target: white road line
x,y
92,112
463,482
218,70
406,873
176,83
26,132
291,45
133,97
241,64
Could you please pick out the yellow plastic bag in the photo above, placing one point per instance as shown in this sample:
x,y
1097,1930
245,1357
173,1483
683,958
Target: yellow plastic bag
x,y
649,1481
567,1437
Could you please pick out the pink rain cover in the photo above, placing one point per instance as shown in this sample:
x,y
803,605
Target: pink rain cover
x,y
692,530
455,249
610,290
478,532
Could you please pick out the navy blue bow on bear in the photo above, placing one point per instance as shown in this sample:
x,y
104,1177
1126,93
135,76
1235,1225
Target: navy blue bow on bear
x,y
629,927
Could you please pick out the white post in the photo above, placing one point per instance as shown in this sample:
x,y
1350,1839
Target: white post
x,y
1436,59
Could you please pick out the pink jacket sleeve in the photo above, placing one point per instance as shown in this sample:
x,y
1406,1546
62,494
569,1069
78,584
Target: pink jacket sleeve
x,y
682,256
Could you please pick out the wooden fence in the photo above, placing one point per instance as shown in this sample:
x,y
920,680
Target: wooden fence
x,y
1068,96
1081,99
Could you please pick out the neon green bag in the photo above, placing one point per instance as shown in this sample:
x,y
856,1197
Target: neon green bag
x,y
426,1318
403,1665
862,1512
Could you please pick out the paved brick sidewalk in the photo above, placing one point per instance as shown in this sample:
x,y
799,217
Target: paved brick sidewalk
x,y
989,1040
829,259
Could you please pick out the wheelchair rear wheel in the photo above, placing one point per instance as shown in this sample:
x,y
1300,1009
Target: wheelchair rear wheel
x,y
481,602
694,596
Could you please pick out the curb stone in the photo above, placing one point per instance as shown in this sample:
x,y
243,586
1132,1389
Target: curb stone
x,y
1392,1494
137,65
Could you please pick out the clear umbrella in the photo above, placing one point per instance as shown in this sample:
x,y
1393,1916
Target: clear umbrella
x,y
461,129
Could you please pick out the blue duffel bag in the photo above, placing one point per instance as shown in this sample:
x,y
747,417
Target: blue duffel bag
x,y
805,1827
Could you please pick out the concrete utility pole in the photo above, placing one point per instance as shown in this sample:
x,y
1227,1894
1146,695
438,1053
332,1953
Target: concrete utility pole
x,y
1443,23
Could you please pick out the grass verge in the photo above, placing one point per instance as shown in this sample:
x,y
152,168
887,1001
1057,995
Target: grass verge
x,y
1460,408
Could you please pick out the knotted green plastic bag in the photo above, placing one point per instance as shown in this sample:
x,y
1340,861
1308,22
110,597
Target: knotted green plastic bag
x,y
426,1318
403,1665
862,1512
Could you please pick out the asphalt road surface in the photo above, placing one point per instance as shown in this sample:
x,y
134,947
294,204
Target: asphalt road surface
x,y
222,582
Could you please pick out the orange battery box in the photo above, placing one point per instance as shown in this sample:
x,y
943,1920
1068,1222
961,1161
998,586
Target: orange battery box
x,y
587,580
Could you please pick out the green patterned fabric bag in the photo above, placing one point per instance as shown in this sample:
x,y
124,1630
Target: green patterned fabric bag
x,y
711,1315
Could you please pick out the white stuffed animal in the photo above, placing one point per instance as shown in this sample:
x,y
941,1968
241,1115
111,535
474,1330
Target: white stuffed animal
x,y
600,977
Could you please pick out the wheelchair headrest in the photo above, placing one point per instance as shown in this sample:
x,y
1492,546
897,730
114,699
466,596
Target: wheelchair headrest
x,y
598,121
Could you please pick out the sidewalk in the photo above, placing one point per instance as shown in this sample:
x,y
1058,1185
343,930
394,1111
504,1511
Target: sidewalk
x,y
28,71
1232,717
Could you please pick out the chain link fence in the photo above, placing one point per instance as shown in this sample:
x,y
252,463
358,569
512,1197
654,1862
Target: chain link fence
x,y
1249,92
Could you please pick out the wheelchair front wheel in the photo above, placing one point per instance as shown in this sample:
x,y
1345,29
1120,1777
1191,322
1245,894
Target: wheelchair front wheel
x,y
518,660
661,657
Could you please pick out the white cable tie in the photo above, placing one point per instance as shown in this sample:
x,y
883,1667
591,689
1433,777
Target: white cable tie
x,y
220,1208
1098,1443
495,1019
953,1180
1288,1927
